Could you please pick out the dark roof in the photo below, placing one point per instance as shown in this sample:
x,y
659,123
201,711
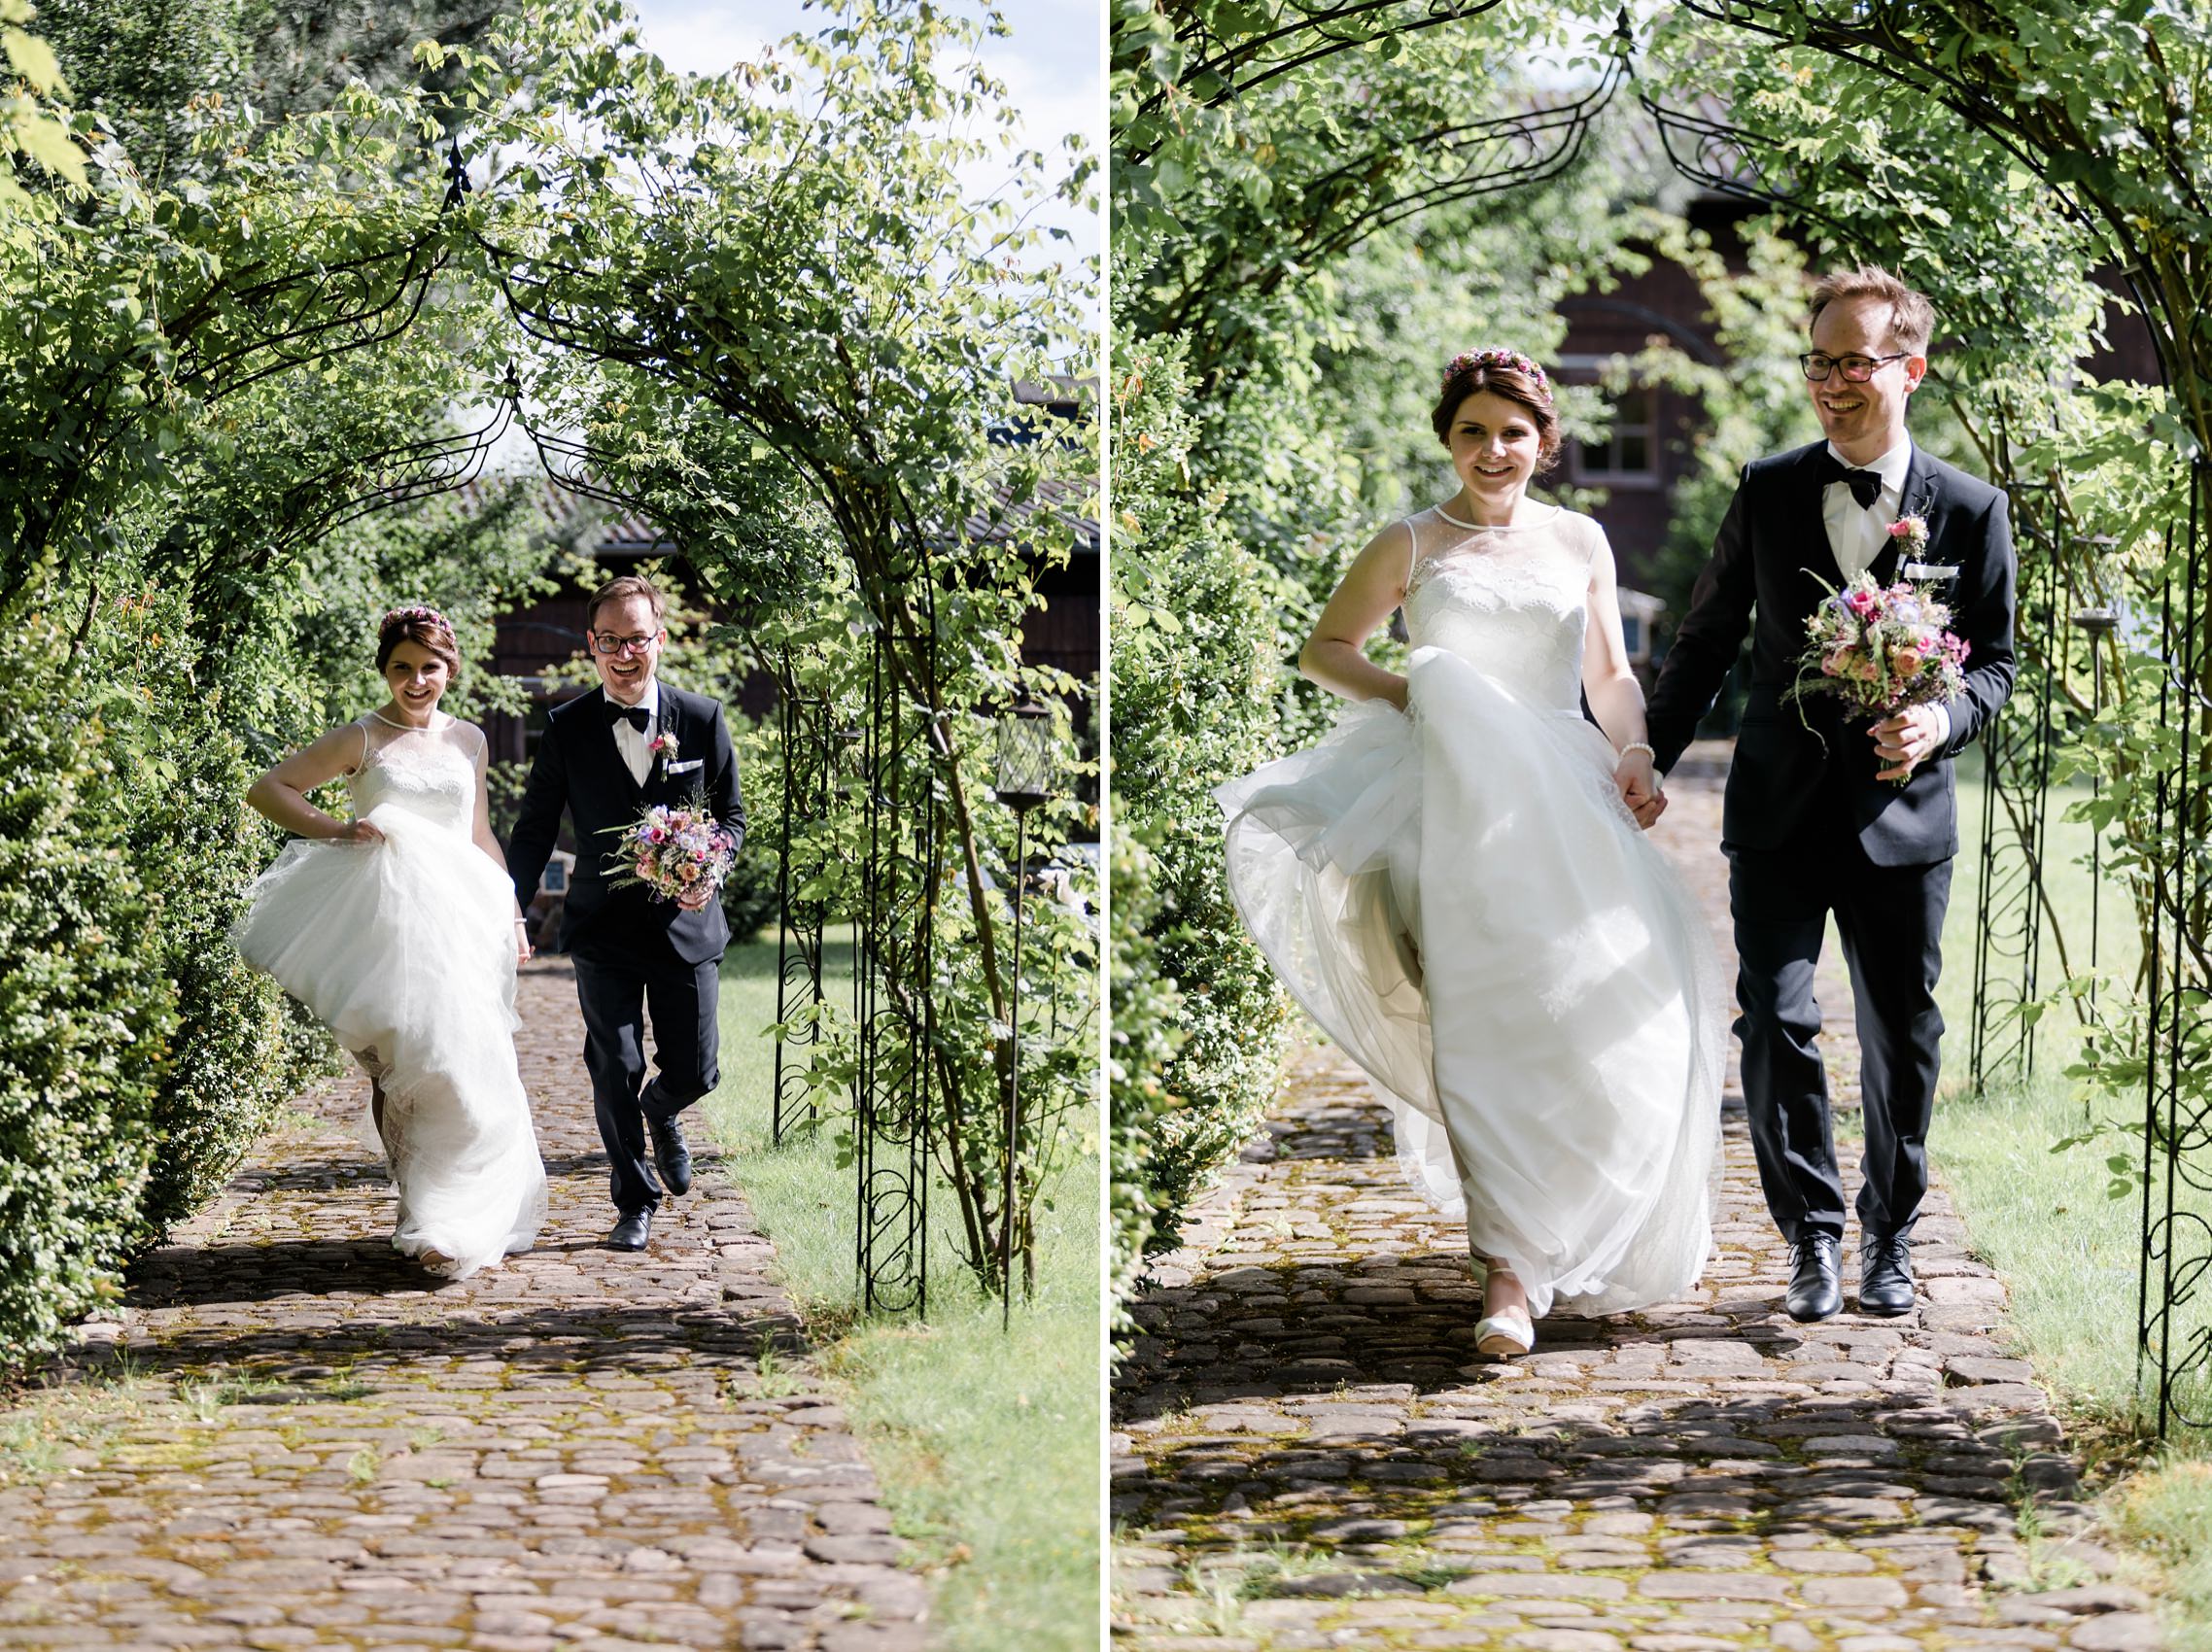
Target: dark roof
x,y
626,530
1060,499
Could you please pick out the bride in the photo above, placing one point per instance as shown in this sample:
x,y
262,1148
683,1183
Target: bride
x,y
399,929
1456,886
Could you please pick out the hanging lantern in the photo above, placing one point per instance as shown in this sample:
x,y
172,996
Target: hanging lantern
x,y
1028,762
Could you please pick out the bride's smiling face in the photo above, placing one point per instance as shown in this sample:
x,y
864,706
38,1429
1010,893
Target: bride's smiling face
x,y
1495,446
416,677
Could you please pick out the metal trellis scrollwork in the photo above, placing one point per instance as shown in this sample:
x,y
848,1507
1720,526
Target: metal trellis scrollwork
x,y
2177,1100
891,1089
311,314
2015,760
1294,34
1484,157
808,751
1727,160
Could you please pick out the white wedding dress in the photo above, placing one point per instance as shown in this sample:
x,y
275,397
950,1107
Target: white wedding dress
x,y
1461,900
405,951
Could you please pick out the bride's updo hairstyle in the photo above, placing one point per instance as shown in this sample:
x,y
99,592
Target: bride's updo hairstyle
x,y
1501,372
423,626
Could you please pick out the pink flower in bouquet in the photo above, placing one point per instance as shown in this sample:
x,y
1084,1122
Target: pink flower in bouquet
x,y
1880,649
673,853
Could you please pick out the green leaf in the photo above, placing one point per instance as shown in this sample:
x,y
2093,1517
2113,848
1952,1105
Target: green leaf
x,y
34,60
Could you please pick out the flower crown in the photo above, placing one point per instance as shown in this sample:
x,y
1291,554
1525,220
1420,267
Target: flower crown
x,y
412,612
1495,357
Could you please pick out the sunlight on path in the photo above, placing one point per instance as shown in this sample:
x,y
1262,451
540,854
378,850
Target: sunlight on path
x,y
1310,1454
583,1450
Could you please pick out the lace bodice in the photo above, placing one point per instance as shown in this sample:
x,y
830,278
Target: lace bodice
x,y
428,772
1511,601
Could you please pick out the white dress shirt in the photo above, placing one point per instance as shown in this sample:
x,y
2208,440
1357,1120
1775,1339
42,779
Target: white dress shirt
x,y
636,747
1856,533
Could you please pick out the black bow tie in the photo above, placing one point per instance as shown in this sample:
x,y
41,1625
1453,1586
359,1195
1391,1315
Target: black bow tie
x,y
636,716
1865,485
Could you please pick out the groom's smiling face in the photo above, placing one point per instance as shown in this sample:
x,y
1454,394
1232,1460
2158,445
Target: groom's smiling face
x,y
626,668
1864,421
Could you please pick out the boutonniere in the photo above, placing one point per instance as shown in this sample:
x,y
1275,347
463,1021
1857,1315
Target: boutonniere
x,y
663,746
1911,533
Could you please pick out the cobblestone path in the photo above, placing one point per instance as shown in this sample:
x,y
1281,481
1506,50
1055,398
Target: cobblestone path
x,y
583,1451
1309,1453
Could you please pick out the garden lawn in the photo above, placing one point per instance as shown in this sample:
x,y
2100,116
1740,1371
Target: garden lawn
x,y
2068,1253
989,1443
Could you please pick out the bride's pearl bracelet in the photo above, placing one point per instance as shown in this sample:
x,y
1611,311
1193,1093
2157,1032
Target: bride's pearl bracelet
x,y
1640,746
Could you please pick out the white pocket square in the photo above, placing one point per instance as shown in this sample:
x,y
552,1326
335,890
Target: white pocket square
x,y
685,767
1931,571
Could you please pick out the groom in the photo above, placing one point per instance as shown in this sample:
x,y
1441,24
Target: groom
x,y
632,742
1837,817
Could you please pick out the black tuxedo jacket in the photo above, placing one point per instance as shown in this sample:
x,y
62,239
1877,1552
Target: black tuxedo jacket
x,y
577,768
1799,765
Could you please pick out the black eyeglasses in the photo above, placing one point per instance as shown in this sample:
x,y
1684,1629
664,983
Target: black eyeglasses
x,y
607,642
1856,369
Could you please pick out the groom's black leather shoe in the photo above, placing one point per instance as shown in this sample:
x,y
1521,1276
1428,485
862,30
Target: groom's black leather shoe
x,y
1815,1278
671,1156
1884,1276
630,1231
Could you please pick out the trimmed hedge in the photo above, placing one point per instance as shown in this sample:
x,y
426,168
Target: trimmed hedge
x,y
139,1059
1146,1035
86,1015
234,1060
1196,685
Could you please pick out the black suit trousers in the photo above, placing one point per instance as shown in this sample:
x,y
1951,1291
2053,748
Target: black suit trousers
x,y
1891,920
616,992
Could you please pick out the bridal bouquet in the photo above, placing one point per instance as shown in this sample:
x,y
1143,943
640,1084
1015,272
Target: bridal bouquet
x,y
673,851
1882,648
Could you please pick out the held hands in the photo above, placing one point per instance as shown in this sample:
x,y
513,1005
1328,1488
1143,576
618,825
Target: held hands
x,y
1639,784
695,900
1907,740
522,948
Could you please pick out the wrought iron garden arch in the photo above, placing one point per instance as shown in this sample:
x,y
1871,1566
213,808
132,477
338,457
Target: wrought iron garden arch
x,y
1533,146
870,757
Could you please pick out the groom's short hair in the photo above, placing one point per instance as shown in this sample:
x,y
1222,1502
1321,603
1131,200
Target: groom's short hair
x,y
618,590
1912,318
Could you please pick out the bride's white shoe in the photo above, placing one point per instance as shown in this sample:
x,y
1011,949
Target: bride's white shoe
x,y
1509,1331
1504,1334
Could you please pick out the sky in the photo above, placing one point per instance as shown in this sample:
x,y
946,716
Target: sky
x,y
1050,65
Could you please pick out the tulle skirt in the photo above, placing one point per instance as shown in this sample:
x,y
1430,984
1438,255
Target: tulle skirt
x,y
405,951
1461,901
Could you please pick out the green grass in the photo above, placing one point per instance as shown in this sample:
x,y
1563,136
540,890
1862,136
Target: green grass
x,y
987,1442
40,1426
2065,935
2068,1250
